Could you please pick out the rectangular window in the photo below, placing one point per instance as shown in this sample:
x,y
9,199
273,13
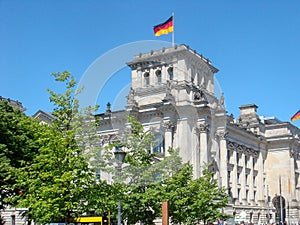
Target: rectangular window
x,y
13,220
239,194
228,156
159,144
98,175
158,76
146,79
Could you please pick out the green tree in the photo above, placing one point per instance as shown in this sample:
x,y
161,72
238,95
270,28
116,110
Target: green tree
x,y
18,146
176,192
58,181
143,173
192,201
209,199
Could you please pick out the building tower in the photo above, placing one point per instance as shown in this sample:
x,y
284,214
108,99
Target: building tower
x,y
173,95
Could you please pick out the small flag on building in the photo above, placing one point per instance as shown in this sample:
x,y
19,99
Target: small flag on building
x,y
164,28
296,116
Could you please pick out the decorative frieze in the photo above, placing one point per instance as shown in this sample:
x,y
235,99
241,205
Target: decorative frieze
x,y
233,146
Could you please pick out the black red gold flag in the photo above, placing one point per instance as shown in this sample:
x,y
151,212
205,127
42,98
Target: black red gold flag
x,y
296,116
164,28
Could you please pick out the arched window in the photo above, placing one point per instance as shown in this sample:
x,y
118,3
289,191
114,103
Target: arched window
x,y
158,76
146,79
170,72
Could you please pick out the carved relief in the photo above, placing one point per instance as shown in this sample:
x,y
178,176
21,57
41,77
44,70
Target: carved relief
x,y
293,154
199,96
130,98
203,128
233,146
168,125
221,135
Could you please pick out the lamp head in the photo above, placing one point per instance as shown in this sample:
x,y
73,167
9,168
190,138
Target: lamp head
x,y
120,155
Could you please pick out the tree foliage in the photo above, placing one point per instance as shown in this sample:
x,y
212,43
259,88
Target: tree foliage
x,y
54,166
57,181
142,173
192,201
18,146
150,179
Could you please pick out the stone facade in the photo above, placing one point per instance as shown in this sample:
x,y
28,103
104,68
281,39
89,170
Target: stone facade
x,y
172,95
15,104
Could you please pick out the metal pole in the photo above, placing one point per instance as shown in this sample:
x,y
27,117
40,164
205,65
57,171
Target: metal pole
x,y
288,211
281,209
173,33
268,209
119,197
119,212
120,157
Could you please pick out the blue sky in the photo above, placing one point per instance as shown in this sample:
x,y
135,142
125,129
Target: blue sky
x,y
254,44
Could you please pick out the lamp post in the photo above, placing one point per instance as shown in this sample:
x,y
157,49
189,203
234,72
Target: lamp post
x,y
120,158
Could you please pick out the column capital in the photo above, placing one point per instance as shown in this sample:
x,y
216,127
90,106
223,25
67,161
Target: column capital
x,y
168,125
293,154
203,128
222,135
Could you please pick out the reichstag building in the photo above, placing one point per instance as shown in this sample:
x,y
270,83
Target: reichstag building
x,y
255,158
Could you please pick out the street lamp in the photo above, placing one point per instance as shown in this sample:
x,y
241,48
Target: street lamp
x,y
120,158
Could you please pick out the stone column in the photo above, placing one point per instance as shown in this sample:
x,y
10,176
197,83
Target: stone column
x,y
168,127
203,129
260,183
251,184
164,74
234,176
243,179
152,77
196,153
139,78
223,159
291,181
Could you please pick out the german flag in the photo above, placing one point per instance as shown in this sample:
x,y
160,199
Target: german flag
x,y
164,28
296,116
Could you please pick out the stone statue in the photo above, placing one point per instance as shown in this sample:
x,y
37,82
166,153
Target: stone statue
x,y
221,101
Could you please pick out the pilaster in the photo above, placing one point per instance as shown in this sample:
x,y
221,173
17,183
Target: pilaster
x,y
168,129
203,130
223,159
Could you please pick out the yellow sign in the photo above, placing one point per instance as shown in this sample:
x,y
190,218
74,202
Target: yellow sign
x,y
91,219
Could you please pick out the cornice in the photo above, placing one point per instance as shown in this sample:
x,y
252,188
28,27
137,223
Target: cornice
x,y
166,55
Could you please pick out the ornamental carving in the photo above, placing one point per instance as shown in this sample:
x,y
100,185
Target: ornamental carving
x,y
199,96
293,154
203,128
130,98
168,125
222,135
233,146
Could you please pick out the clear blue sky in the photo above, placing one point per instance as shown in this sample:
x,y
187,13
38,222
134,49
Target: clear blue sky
x,y
255,45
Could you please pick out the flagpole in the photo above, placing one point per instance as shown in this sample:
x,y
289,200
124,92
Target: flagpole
x,y
173,36
281,209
